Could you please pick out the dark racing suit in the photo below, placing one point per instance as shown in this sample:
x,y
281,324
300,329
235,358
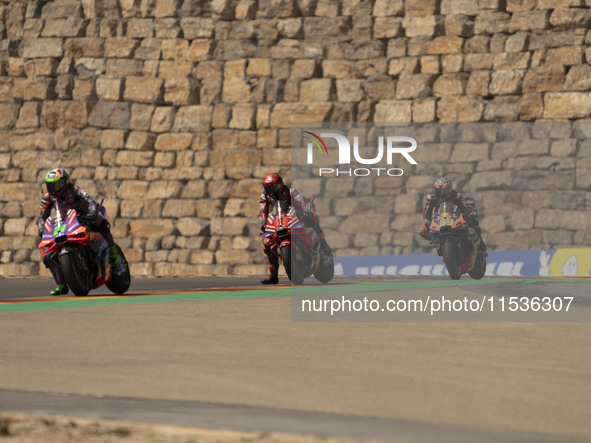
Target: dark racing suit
x,y
432,201
72,198
304,209
469,212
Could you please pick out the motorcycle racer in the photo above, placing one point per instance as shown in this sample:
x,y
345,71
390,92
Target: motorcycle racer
x,y
69,196
276,191
443,192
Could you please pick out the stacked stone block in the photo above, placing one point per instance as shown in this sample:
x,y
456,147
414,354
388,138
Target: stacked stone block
x,y
173,110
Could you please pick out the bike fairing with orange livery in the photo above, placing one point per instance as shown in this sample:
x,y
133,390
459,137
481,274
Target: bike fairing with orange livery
x,y
457,242
298,246
83,255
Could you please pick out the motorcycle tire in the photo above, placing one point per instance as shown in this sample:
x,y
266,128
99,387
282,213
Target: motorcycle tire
x,y
295,275
451,257
119,284
325,271
479,269
76,279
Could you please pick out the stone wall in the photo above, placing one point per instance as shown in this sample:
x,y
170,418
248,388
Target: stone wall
x,y
530,182
173,110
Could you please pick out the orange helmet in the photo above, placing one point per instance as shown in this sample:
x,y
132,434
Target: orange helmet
x,y
442,187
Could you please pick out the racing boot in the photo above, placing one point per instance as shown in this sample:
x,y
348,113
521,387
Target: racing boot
x,y
114,254
115,260
273,277
60,290
323,243
482,245
50,261
325,247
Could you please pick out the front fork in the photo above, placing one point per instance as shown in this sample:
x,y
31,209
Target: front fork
x,y
79,259
438,243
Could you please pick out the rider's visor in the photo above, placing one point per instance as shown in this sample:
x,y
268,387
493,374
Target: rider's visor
x,y
272,189
55,187
442,192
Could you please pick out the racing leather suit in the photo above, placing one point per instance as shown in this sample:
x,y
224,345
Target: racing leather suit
x,y
469,212
304,209
76,198
432,201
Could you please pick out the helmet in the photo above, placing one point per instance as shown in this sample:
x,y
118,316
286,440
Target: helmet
x,y
56,181
273,184
442,187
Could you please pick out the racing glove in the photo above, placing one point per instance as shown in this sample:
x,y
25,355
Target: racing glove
x,y
310,218
424,232
91,216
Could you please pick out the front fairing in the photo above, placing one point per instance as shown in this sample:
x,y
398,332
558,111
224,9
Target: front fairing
x,y
278,221
448,221
59,232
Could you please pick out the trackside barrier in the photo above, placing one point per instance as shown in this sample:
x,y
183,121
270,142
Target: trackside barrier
x,y
568,262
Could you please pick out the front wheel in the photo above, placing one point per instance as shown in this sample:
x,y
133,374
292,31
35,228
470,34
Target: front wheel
x,y
292,267
451,257
120,275
76,274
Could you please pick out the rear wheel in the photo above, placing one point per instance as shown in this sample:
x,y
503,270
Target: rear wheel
x,y
479,267
76,274
119,282
292,266
325,271
451,257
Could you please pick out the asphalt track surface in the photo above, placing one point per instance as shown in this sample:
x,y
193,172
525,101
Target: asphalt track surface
x,y
224,354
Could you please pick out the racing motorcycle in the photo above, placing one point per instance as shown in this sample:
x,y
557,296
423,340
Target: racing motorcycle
x,y
457,242
298,246
83,255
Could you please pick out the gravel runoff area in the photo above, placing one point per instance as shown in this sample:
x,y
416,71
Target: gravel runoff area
x,y
20,428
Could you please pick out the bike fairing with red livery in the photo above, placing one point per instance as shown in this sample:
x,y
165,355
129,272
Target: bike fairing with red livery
x,y
387,147
298,246
83,255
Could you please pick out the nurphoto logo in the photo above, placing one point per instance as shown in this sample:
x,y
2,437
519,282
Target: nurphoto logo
x,y
387,146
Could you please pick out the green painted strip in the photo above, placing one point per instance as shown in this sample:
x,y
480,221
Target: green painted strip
x,y
274,292
123,300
